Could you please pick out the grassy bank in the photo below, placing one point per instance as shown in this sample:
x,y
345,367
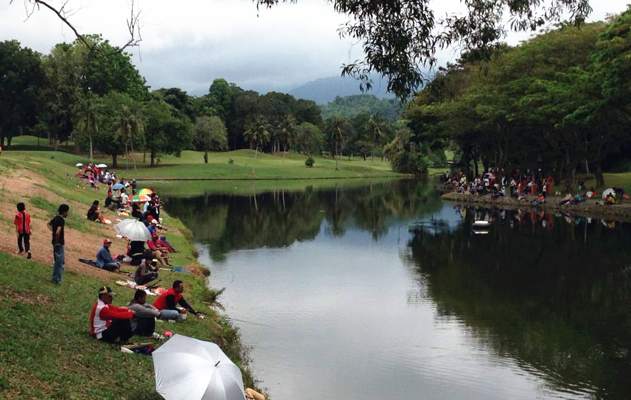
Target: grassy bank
x,y
44,345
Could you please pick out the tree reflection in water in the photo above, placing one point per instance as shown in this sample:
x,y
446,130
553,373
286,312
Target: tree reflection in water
x,y
278,219
551,292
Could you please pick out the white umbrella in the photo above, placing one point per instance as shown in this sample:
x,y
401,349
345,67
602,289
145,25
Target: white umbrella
x,y
101,165
608,192
191,369
78,165
133,230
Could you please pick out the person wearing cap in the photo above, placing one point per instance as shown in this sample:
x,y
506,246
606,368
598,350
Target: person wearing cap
x,y
104,258
108,322
169,301
146,272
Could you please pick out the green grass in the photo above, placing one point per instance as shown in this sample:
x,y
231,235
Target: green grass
x,y
46,352
245,164
614,179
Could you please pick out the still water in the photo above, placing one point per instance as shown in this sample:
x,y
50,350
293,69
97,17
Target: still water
x,y
386,292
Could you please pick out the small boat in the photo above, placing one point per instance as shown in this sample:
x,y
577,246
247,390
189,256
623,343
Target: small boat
x,y
481,224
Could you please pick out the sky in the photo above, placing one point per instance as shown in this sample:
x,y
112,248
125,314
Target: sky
x,y
189,43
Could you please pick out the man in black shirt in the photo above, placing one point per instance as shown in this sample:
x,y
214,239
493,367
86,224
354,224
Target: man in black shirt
x,y
56,225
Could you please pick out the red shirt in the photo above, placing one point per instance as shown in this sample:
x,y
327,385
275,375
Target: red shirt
x,y
22,222
161,301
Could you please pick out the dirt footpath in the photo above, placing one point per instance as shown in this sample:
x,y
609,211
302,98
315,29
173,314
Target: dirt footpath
x,y
78,244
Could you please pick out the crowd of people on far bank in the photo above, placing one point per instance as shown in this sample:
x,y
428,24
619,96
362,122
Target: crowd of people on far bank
x,y
532,186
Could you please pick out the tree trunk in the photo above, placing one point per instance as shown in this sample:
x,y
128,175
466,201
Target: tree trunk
x,y
152,158
598,174
91,149
206,157
114,160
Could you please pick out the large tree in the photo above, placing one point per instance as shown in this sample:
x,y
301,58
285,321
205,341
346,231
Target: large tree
x,y
167,130
210,134
21,82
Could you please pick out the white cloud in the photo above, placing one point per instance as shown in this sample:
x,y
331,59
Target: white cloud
x,y
189,43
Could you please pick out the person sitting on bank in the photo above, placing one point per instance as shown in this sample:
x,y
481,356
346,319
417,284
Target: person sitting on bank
x,y
104,258
169,301
146,272
110,323
94,214
144,321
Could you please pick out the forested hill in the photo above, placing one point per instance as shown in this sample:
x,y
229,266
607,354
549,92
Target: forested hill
x,y
325,90
350,106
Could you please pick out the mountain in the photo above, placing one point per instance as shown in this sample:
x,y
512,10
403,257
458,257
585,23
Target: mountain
x,y
325,90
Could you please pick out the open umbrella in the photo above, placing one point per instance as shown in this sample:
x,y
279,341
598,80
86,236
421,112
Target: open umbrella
x,y
78,165
608,192
191,369
146,192
140,198
118,186
101,165
133,230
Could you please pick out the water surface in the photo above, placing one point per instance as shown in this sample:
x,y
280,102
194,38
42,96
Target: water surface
x,y
385,292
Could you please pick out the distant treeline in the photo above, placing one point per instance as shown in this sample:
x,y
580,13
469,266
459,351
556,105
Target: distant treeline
x,y
90,93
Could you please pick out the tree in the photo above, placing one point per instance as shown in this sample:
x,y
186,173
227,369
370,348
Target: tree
x,y
210,134
400,37
257,133
309,138
178,99
87,120
167,130
21,82
338,130
121,127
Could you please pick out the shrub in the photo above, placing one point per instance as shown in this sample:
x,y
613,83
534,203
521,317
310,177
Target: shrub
x,y
309,162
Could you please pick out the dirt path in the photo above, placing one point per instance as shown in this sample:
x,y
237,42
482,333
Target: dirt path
x,y
589,209
78,244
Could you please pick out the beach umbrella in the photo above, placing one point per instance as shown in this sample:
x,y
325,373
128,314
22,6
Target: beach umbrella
x,y
133,230
118,186
146,192
101,165
608,192
191,369
140,198
78,165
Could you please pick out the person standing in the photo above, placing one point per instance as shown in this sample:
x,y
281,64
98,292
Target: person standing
x,y
22,223
57,225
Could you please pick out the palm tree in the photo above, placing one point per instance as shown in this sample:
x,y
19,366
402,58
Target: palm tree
x,y
337,132
87,121
257,133
130,127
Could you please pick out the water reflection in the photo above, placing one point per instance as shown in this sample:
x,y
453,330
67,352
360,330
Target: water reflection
x,y
549,291
278,219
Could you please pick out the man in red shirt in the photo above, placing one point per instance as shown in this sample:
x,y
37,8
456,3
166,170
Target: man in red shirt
x,y
110,323
22,224
168,301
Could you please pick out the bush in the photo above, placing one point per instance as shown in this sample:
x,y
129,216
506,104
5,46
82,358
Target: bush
x,y
309,162
410,162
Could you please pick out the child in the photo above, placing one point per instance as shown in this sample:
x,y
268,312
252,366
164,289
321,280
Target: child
x,y
22,224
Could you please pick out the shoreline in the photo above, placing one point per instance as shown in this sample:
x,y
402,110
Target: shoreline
x,y
588,209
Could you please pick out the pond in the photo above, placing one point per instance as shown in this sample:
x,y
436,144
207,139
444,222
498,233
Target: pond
x,y
385,292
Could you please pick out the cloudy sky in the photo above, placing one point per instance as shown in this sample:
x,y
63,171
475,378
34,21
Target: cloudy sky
x,y
189,43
